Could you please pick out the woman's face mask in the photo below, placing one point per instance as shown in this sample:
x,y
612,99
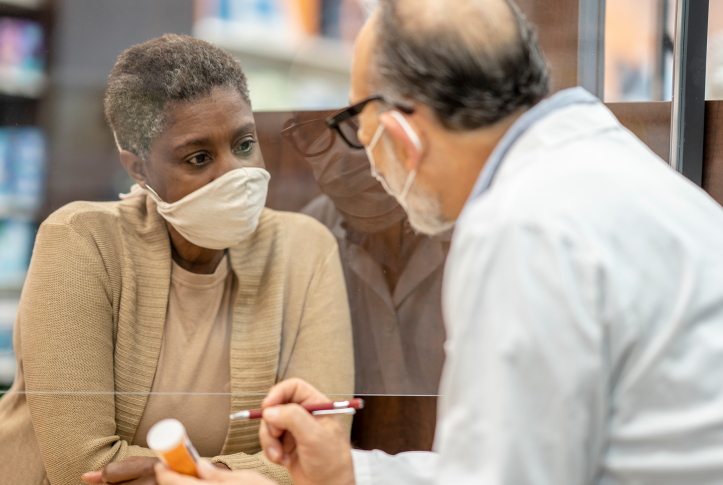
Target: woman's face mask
x,y
220,214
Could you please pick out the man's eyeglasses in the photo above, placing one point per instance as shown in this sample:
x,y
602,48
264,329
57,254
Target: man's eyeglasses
x,y
346,121
314,138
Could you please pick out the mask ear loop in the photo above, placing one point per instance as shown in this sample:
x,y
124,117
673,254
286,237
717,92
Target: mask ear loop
x,y
417,144
150,189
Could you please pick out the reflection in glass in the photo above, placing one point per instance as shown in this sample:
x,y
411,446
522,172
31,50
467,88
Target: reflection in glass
x,y
714,64
393,275
639,50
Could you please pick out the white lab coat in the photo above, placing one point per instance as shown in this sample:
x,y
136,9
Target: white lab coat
x,y
583,299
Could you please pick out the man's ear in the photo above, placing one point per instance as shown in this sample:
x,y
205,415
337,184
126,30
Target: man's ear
x,y
135,166
400,129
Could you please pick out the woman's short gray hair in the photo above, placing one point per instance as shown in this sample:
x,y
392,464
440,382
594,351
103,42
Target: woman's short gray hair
x,y
472,62
150,76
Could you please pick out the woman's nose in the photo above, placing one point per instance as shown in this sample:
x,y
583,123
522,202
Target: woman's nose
x,y
226,163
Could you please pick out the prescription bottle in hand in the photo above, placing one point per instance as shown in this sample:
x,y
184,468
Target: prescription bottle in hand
x,y
169,440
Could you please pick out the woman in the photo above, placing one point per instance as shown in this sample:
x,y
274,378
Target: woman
x,y
186,299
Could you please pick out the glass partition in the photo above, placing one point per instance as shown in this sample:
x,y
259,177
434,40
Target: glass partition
x,y
639,50
714,63
56,148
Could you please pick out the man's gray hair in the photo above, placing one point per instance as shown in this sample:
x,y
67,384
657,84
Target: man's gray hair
x,y
473,62
150,76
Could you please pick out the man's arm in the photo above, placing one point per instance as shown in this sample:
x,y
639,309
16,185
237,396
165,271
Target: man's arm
x,y
523,389
377,468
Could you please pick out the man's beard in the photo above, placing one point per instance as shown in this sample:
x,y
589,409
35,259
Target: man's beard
x,y
423,209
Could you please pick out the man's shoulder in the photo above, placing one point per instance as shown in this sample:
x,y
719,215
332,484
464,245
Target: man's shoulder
x,y
322,209
301,232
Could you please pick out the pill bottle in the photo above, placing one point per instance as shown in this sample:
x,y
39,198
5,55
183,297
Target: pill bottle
x,y
169,440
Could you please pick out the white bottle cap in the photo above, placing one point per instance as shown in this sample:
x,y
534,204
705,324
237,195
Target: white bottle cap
x,y
165,435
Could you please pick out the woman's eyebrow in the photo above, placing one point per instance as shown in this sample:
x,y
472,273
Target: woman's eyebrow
x,y
245,129
242,130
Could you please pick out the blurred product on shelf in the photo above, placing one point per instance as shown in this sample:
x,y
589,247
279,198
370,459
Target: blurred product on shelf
x,y
714,68
8,310
22,171
267,17
22,60
16,243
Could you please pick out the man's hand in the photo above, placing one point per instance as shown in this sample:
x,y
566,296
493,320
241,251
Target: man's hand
x,y
136,470
315,450
210,475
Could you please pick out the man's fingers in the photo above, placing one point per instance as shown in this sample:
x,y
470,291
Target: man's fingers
x,y
164,476
208,471
293,391
293,419
270,443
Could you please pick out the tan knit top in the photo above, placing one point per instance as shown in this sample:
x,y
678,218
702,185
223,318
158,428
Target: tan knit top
x,y
90,324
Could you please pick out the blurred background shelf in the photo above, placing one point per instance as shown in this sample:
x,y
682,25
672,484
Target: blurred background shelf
x,y
314,52
26,4
296,53
28,86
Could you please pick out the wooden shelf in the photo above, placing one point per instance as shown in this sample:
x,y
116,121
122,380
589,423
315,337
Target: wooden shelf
x,y
34,87
316,53
28,4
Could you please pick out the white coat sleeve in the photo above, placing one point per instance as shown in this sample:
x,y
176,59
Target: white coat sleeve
x,y
377,468
523,393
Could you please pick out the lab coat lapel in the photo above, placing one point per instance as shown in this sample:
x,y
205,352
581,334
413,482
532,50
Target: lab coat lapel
x,y
363,265
426,259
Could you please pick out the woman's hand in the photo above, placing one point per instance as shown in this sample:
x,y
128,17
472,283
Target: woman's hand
x,y
136,470
210,475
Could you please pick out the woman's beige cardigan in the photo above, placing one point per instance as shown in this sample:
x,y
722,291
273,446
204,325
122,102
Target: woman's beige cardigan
x,y
90,324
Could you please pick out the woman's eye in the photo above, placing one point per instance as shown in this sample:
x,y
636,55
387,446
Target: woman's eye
x,y
199,159
245,147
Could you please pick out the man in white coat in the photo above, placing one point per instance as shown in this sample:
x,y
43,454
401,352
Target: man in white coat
x,y
583,294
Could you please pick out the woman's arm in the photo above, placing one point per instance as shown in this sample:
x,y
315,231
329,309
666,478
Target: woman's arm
x,y
66,325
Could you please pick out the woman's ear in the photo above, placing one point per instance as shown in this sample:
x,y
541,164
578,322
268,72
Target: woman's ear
x,y
400,129
135,166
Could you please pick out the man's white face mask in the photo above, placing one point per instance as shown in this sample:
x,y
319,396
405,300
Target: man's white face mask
x,y
423,209
220,214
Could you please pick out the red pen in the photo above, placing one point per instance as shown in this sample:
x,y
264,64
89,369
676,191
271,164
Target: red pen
x,y
338,407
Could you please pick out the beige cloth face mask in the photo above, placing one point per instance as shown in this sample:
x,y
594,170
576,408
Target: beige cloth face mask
x,y
220,214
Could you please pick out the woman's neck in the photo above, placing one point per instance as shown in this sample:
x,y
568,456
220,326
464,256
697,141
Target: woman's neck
x,y
191,257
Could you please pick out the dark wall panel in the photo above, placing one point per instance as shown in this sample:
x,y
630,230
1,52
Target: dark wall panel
x,y
713,150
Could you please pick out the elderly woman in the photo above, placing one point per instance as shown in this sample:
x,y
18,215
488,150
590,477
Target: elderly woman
x,y
186,300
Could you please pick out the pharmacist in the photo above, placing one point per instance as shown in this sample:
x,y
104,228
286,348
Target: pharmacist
x,y
583,295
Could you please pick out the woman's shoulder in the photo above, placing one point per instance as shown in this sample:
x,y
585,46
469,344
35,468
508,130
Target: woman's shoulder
x,y
84,212
107,222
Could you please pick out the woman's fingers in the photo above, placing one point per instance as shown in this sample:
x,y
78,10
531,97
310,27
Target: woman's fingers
x,y
293,391
93,478
208,471
128,469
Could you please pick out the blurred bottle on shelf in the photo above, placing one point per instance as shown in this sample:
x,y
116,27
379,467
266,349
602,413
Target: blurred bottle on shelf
x,y
342,19
22,171
8,310
22,181
16,244
22,59
28,168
